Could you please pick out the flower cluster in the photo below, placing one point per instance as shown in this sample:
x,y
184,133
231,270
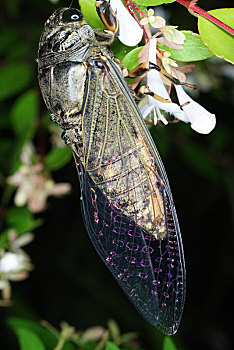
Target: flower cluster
x,y
34,184
187,110
15,264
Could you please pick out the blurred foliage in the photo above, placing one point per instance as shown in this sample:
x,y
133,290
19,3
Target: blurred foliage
x,y
69,281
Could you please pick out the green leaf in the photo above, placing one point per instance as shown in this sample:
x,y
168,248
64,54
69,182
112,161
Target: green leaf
x,y
14,77
24,113
8,38
168,344
218,40
194,49
21,219
88,9
131,60
58,157
28,340
119,50
49,336
49,339
153,2
111,346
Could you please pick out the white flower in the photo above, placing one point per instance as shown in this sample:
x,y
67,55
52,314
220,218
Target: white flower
x,y
130,33
168,62
201,120
15,264
34,185
174,35
154,21
155,84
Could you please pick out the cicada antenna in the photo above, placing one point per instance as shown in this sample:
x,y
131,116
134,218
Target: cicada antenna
x,y
71,4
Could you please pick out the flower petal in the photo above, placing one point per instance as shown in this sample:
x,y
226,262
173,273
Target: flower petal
x,y
10,262
130,33
144,21
172,34
20,197
150,12
201,120
61,189
155,84
158,22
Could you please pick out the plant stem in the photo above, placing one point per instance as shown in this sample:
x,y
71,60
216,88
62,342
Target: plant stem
x,y
194,9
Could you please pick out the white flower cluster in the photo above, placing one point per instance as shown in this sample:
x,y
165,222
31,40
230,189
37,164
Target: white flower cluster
x,y
15,264
130,34
33,184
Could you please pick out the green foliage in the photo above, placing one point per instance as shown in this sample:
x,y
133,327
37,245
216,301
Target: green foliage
x,y
168,344
28,340
14,217
32,330
131,60
24,113
194,49
153,2
90,14
58,157
120,50
218,40
22,121
111,346
14,77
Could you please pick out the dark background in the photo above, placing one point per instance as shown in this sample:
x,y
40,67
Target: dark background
x,y
70,282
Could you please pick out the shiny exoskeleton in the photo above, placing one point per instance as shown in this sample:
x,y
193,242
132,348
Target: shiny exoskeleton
x,y
126,200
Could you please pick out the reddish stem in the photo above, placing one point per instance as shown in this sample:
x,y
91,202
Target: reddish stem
x,y
194,9
130,7
136,8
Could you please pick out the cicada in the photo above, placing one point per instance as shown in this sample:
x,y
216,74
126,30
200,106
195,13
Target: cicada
x,y
127,205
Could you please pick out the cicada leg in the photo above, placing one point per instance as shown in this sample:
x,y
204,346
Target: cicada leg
x,y
146,66
107,16
144,90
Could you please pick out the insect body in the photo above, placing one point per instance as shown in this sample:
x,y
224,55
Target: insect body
x,y
127,204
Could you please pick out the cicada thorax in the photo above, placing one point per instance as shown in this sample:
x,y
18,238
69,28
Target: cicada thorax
x,y
63,50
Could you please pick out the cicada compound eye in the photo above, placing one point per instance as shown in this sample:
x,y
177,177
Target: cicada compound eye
x,y
72,15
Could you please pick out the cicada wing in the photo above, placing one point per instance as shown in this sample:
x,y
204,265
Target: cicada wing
x,y
121,245
127,203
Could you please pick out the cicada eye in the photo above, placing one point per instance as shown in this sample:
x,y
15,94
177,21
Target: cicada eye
x,y
72,15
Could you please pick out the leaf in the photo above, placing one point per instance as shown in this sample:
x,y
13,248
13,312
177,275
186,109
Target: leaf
x,y
21,219
119,50
58,157
194,49
88,9
131,60
49,339
8,38
28,340
218,40
153,2
14,77
111,346
168,344
24,113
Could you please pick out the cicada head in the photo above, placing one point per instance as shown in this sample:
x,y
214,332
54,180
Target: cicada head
x,y
65,29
